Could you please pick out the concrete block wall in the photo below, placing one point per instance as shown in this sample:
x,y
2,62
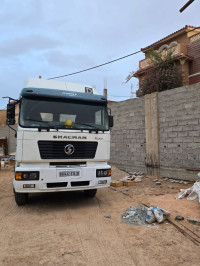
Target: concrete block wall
x,y
178,127
128,143
179,119
5,131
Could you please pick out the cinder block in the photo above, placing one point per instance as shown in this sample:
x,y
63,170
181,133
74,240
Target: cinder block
x,y
128,183
116,183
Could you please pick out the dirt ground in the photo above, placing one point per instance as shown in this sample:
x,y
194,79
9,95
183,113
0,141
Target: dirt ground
x,y
70,229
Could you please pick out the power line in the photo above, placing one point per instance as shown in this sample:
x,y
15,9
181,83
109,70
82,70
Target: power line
x,y
96,66
118,96
110,62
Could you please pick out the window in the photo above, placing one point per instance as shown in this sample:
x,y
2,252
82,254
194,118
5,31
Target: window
x,y
52,113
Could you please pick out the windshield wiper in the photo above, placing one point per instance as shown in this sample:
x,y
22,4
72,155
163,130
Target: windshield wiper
x,y
93,127
41,127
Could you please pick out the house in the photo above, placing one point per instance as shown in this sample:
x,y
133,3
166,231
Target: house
x,y
184,45
6,133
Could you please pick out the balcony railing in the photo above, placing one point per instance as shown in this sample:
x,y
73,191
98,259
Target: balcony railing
x,y
178,49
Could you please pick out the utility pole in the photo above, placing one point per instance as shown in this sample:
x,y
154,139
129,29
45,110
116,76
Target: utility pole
x,y
131,90
105,91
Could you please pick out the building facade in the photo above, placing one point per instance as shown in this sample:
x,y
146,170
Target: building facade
x,y
184,45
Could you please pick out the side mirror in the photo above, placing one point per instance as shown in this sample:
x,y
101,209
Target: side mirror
x,y
111,121
10,114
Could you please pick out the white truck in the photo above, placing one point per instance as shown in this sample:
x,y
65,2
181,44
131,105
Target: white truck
x,y
63,139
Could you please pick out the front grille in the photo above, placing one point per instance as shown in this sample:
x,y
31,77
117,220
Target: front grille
x,y
55,185
80,183
55,149
66,164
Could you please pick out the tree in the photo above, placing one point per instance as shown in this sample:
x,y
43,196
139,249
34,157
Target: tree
x,y
163,75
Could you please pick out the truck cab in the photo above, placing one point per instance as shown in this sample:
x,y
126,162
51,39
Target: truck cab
x,y
63,139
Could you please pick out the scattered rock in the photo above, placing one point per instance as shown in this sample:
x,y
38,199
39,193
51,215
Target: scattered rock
x,y
171,187
138,179
166,178
158,183
179,218
185,183
194,221
172,180
107,216
155,180
131,173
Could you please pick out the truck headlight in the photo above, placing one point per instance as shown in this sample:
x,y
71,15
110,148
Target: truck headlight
x,y
26,176
103,172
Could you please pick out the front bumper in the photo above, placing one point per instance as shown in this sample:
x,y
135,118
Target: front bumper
x,y
50,180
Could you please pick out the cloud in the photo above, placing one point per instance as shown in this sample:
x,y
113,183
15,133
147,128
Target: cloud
x,y
23,45
61,59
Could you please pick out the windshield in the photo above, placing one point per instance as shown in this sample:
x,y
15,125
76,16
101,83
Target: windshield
x,y
56,113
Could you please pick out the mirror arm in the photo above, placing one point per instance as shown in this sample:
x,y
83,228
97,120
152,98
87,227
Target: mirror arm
x,y
13,130
11,99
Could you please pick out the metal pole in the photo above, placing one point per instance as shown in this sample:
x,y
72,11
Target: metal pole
x,y
186,5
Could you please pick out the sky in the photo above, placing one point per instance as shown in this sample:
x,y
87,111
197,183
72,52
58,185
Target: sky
x,y
58,37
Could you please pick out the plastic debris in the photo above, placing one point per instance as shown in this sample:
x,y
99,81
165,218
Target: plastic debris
x,y
193,192
156,214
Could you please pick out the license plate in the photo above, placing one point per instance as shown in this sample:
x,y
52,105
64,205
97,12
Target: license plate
x,y
69,173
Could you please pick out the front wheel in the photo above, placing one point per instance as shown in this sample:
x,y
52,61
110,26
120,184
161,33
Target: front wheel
x,y
21,198
90,193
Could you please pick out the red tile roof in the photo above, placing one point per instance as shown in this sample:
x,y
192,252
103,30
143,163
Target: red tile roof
x,y
168,37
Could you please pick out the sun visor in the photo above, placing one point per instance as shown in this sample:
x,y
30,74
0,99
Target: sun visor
x,y
62,94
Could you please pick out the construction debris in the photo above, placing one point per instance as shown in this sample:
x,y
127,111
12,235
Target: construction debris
x,y
107,216
143,215
128,183
156,214
193,192
138,179
135,216
158,183
194,221
129,180
179,218
116,183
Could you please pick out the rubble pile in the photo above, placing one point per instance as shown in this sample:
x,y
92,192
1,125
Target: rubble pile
x,y
129,180
135,216
143,215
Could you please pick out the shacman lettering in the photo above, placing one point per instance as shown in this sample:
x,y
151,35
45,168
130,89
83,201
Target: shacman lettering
x,y
69,137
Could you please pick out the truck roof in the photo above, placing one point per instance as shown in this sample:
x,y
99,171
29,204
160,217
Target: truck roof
x,y
58,85
38,88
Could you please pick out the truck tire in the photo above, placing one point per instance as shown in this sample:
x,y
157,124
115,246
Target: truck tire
x,y
21,198
90,193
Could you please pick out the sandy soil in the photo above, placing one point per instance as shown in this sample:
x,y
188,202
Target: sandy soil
x,y
69,229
